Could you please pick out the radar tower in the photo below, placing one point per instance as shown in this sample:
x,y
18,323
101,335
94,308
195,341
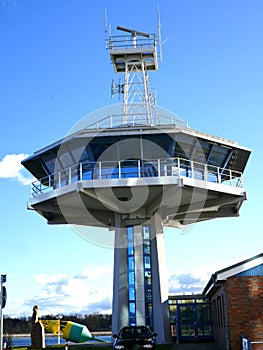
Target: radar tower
x,y
134,55
137,178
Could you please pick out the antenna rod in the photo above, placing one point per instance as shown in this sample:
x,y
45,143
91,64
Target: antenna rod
x,y
105,22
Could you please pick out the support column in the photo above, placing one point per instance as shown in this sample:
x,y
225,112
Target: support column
x,y
161,317
120,285
141,282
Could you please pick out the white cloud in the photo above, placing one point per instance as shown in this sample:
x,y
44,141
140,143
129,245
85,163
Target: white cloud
x,y
194,280
95,272
11,168
44,279
185,283
87,292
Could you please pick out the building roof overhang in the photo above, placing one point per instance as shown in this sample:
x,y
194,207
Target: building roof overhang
x,y
222,275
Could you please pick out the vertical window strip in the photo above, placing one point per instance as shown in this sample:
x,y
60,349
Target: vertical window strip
x,y
131,276
147,276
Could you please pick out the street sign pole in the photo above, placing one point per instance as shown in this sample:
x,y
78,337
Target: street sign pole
x,y
3,302
1,326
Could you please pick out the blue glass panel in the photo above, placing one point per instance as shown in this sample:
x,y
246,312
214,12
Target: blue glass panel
x,y
130,243
147,274
130,233
212,178
132,309
146,247
131,278
129,172
109,173
198,174
146,232
132,294
130,250
147,262
130,262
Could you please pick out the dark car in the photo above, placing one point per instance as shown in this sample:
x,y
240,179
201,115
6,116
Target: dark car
x,y
134,337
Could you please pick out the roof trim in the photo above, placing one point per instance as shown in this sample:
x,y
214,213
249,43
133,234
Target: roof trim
x,y
240,267
232,270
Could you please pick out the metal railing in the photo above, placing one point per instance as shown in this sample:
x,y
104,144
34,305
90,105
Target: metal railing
x,y
120,42
137,119
103,170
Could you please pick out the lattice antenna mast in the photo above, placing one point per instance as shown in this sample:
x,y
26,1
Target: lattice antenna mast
x,y
134,55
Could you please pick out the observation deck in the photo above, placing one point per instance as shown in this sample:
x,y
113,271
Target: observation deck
x,y
162,170
126,51
187,175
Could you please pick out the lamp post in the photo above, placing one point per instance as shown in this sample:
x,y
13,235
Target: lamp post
x,y
3,303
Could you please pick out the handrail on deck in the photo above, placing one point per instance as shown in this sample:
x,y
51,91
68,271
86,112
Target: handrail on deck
x,y
178,167
127,42
138,119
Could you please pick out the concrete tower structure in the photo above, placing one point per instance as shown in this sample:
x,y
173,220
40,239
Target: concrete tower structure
x,y
136,173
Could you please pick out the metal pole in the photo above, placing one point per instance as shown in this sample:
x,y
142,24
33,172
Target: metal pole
x,y
59,317
1,327
1,316
59,331
3,302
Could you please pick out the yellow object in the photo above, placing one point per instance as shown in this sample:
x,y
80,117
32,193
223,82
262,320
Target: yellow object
x,y
71,331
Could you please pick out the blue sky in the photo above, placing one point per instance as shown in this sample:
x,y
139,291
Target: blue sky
x,y
54,70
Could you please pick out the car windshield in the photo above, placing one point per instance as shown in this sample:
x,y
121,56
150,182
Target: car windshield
x,y
134,332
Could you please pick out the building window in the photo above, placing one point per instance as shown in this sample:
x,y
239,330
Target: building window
x,y
131,277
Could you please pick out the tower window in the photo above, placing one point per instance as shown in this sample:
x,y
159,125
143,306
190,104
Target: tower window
x,y
131,277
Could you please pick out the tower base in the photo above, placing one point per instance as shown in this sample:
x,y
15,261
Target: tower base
x,y
140,291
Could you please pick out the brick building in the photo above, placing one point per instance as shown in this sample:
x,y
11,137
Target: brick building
x,y
236,295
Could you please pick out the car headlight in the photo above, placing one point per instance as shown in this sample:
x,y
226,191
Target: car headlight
x,y
119,347
147,346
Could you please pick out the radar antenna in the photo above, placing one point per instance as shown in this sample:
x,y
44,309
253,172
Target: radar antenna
x,y
133,31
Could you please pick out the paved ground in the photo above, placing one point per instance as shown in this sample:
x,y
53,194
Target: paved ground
x,y
203,346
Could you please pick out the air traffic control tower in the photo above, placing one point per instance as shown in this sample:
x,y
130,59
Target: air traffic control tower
x,y
137,172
